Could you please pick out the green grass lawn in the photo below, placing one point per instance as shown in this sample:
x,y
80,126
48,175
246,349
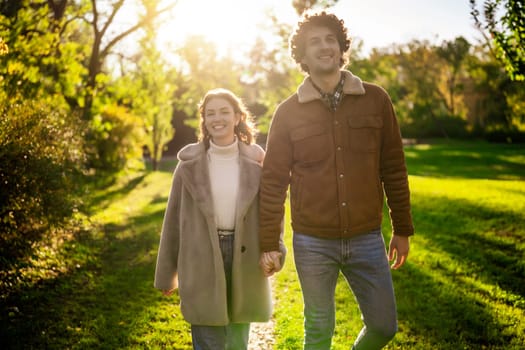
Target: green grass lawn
x,y
462,287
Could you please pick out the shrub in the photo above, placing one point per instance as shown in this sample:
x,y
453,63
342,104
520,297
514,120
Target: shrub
x,y
443,126
115,140
41,160
505,135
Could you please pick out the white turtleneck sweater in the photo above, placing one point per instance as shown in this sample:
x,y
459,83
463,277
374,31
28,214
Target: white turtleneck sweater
x,y
224,177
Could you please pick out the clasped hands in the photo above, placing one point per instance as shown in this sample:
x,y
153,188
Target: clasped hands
x,y
270,262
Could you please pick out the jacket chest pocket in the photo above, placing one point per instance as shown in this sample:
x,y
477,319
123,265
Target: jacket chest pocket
x,y
310,143
364,133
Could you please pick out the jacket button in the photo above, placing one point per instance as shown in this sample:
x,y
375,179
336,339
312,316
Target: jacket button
x,y
343,204
243,249
341,176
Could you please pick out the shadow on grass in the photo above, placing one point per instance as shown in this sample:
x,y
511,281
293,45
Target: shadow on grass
x,y
166,164
105,304
484,239
472,160
443,314
457,295
103,197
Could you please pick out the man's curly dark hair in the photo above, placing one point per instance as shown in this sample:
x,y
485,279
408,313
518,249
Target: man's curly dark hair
x,y
318,19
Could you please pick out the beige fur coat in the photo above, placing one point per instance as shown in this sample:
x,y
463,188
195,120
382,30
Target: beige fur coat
x,y
189,255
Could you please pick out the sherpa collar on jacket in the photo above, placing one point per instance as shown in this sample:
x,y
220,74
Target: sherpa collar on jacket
x,y
352,86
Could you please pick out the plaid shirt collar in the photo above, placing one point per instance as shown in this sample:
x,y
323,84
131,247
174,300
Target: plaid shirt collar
x,y
332,100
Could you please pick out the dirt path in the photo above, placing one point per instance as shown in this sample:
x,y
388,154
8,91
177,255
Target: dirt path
x,y
261,334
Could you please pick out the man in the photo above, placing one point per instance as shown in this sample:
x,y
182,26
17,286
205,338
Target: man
x,y
337,144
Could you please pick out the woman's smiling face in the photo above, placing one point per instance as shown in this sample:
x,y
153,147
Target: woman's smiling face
x,y
220,120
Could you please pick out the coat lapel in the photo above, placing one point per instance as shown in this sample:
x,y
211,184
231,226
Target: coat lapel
x,y
249,178
197,181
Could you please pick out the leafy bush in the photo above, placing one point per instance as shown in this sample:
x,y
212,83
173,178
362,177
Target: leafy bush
x,y
115,140
41,160
443,126
505,135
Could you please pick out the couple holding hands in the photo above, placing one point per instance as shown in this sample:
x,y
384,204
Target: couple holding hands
x,y
336,145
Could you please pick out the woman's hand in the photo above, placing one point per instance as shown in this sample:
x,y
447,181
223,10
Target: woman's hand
x,y
168,292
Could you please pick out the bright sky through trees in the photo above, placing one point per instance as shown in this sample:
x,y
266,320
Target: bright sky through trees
x,y
233,25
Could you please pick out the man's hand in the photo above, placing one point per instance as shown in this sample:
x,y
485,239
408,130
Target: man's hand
x,y
398,248
270,262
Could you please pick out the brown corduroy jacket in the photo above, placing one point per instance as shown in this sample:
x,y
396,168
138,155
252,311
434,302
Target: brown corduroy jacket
x,y
338,165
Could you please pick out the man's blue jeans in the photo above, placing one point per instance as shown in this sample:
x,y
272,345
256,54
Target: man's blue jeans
x,y
233,336
364,263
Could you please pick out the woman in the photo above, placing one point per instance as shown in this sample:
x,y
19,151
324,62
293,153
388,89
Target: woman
x,y
209,245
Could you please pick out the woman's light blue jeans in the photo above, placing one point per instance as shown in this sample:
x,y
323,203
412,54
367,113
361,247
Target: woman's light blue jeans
x,y
363,262
233,336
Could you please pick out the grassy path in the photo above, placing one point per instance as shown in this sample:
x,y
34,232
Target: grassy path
x,y
462,287
106,299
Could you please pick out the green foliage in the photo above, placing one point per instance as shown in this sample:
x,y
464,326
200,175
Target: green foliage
x,y
454,53
303,5
507,32
115,140
494,101
206,70
4,49
270,77
422,102
153,98
43,57
450,90
420,128
41,160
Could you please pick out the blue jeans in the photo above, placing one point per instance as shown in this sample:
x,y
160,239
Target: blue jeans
x,y
233,336
363,262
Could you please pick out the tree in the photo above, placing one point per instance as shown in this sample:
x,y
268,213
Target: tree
x,y
100,21
490,95
155,92
454,53
304,5
507,32
272,75
423,106
43,60
204,70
